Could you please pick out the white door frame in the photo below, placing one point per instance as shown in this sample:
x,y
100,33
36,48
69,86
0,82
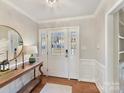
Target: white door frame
x,y
63,28
110,85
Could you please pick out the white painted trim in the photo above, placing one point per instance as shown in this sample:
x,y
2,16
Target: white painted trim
x,y
68,19
110,12
106,41
114,9
63,27
19,10
101,65
87,59
87,80
100,88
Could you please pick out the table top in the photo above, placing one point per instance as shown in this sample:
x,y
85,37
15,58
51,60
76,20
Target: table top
x,y
11,75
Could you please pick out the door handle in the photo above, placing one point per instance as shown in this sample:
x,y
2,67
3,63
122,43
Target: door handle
x,y
66,53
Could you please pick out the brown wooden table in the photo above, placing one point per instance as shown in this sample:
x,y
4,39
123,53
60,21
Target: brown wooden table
x,y
10,76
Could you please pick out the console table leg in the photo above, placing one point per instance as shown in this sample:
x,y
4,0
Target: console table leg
x,y
40,69
34,73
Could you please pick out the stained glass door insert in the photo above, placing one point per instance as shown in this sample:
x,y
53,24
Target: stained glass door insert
x,y
43,43
57,43
73,42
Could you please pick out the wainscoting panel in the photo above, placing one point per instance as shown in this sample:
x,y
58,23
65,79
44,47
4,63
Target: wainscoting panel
x,y
100,76
92,71
87,70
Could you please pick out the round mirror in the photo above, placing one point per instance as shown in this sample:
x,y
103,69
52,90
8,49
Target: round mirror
x,y
11,43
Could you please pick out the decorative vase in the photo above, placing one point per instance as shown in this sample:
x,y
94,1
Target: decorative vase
x,y
32,59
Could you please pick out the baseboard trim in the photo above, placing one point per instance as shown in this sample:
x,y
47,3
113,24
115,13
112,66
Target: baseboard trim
x,y
87,80
100,88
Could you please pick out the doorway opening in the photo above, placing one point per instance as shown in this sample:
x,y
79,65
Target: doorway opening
x,y
114,48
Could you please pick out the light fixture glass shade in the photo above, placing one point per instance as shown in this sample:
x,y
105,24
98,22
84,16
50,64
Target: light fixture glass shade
x,y
30,50
51,2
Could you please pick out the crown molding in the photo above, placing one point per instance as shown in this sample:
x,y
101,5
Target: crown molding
x,y
67,19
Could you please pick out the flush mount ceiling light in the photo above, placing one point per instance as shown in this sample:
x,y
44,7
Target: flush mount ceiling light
x,y
51,3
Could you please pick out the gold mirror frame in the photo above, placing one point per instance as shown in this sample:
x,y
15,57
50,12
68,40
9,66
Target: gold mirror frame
x,y
20,37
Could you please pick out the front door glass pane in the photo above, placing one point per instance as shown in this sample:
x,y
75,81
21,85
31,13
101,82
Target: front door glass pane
x,y
57,43
43,42
73,42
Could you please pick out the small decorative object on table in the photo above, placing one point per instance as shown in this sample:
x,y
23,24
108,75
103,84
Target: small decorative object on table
x,y
15,58
31,50
32,59
4,66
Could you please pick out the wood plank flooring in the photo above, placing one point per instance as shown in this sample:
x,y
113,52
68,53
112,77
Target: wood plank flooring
x,y
77,87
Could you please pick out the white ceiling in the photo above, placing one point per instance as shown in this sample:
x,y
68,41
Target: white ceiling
x,y
39,11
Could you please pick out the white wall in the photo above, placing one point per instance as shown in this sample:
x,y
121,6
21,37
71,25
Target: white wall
x,y
28,30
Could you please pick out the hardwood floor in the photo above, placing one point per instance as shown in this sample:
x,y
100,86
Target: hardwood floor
x,y
77,87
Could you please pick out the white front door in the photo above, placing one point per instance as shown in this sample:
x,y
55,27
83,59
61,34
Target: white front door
x,y
60,50
57,60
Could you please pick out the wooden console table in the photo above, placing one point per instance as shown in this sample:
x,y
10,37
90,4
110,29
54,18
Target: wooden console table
x,y
10,76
